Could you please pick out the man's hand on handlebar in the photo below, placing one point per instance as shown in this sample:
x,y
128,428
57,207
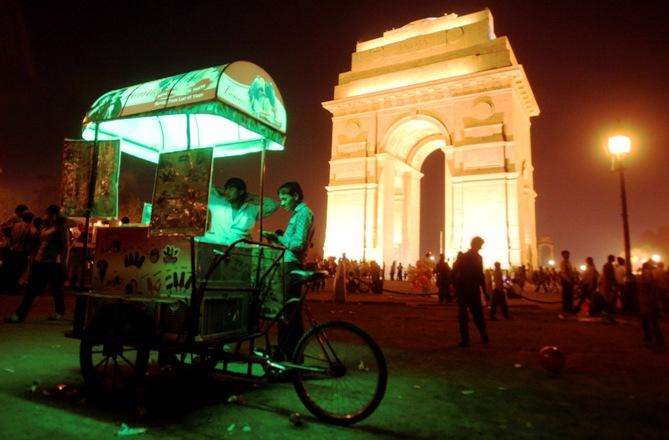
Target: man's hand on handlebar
x,y
271,236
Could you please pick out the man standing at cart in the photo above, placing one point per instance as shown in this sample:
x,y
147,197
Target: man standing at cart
x,y
234,212
296,240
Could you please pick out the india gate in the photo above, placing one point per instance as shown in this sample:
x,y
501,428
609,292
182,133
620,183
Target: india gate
x,y
446,83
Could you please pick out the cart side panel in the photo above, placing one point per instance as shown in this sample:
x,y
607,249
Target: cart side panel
x,y
130,264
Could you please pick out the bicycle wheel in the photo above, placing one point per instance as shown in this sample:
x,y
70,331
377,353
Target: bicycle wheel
x,y
342,375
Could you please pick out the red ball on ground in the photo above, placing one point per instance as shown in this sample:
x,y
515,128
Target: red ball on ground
x,y
552,359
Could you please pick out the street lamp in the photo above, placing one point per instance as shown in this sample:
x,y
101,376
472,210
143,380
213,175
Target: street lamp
x,y
619,147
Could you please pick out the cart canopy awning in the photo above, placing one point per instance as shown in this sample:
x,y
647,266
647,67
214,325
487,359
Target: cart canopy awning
x,y
235,108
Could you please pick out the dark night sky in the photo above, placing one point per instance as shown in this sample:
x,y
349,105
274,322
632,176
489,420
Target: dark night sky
x,y
593,65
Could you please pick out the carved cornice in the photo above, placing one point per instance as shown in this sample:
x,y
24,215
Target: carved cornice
x,y
499,79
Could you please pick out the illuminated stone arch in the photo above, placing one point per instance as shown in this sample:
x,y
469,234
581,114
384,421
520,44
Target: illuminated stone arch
x,y
446,83
546,251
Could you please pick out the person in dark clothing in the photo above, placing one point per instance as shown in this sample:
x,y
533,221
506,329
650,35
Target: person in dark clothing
x,y
48,267
567,277
21,244
443,272
469,281
498,295
649,307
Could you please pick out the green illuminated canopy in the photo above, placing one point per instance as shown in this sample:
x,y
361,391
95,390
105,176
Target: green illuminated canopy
x,y
234,108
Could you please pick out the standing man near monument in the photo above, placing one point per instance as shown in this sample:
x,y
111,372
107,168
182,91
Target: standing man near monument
x,y
567,279
469,280
443,272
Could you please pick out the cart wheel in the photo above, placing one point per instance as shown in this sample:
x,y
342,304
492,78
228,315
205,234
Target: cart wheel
x,y
344,376
109,355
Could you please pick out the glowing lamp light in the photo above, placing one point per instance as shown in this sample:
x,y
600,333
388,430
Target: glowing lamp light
x,y
582,267
551,263
655,258
619,145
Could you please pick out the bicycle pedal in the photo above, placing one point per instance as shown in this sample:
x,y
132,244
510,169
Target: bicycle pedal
x,y
272,364
261,354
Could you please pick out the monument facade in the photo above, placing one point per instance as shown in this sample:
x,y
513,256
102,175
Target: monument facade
x,y
448,84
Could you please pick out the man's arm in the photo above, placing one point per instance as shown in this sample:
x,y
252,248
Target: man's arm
x,y
269,204
298,239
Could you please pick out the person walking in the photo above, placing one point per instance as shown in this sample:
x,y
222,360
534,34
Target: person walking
x,y
541,280
469,281
400,272
393,267
498,295
567,280
49,267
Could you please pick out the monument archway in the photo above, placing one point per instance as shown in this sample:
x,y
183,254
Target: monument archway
x,y
446,83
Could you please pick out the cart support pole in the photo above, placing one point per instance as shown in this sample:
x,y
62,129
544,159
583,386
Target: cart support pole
x,y
81,301
193,270
89,207
262,184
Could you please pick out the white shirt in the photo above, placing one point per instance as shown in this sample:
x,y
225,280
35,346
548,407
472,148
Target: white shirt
x,y
228,224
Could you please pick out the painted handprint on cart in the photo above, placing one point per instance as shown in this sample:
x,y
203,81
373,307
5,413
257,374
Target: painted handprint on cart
x,y
170,254
135,259
178,282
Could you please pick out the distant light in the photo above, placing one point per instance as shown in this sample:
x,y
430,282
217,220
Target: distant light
x,y
655,258
551,263
635,259
582,267
620,145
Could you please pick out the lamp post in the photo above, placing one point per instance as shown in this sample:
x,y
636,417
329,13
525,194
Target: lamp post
x,y
619,148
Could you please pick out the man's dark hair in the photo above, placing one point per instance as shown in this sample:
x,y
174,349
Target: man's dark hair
x,y
20,209
53,210
235,182
565,253
610,258
27,217
292,188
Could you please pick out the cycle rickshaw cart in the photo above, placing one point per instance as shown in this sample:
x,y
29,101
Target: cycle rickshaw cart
x,y
160,295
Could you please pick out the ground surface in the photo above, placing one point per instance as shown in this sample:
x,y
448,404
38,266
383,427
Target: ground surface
x,y
613,385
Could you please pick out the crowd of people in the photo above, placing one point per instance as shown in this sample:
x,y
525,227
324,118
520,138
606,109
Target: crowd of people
x,y
34,253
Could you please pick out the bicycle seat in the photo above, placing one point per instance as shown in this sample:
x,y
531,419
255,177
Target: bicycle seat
x,y
306,276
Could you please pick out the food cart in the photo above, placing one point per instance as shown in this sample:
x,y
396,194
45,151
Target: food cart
x,y
160,288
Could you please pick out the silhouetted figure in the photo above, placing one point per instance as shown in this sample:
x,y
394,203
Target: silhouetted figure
x,y
498,295
49,266
588,285
443,272
567,277
649,307
469,281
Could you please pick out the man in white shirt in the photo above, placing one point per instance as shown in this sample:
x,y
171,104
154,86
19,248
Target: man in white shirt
x,y
233,212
